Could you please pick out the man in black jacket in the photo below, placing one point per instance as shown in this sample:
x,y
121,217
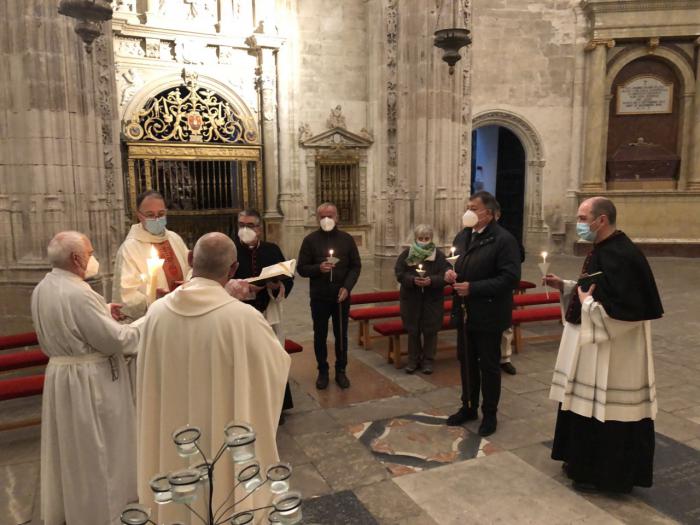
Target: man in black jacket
x,y
254,254
483,280
329,257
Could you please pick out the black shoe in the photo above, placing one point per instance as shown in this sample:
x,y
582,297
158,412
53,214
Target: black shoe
x,y
410,369
342,380
427,370
322,380
589,488
462,416
508,368
488,426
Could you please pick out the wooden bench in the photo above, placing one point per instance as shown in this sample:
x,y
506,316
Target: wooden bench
x,y
394,329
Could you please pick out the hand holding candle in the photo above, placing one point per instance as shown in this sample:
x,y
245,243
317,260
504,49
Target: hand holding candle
x,y
544,268
421,272
154,264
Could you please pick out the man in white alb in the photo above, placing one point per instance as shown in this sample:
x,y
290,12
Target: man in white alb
x,y
130,266
205,359
88,457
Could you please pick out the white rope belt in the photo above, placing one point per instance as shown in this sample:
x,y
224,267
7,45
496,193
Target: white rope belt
x,y
62,360
77,359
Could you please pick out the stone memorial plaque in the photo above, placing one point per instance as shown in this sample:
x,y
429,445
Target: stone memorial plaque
x,y
644,94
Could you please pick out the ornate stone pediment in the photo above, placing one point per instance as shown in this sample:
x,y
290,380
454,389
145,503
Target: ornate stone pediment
x,y
335,138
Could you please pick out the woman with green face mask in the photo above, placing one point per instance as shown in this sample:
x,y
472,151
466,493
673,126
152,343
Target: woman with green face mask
x,y
420,270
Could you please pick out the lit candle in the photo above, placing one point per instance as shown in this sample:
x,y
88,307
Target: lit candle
x,y
544,257
154,264
420,267
452,251
330,252
330,256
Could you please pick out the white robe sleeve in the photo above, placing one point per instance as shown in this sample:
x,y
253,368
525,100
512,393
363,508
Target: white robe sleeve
x,y
131,286
597,326
98,328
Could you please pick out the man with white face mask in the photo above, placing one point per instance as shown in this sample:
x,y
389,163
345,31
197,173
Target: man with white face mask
x,y
329,257
88,441
150,233
254,254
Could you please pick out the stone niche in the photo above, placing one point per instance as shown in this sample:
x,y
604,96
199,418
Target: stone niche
x,y
336,166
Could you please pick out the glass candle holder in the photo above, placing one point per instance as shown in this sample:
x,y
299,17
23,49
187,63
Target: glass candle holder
x,y
184,485
235,429
203,469
243,447
249,476
242,518
185,438
274,517
135,514
162,493
289,507
279,474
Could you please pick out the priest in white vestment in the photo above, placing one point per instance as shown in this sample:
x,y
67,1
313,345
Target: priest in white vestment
x,y
604,373
88,441
130,269
206,359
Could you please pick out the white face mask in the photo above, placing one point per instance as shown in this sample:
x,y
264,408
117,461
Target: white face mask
x,y
327,224
469,219
93,266
246,235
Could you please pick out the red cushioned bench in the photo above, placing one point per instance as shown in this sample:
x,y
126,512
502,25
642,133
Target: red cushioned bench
x,y
22,359
7,342
394,329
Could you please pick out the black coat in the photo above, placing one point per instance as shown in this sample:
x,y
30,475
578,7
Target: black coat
x,y
491,265
422,311
314,250
251,263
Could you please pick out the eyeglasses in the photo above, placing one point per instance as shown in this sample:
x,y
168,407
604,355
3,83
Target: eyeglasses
x,y
154,214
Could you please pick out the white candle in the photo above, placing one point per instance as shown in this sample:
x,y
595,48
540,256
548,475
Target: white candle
x,y
420,267
544,257
452,251
330,252
154,264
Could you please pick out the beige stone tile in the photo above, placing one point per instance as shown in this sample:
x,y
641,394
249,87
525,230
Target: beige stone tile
x,y
308,480
387,502
309,422
691,414
676,427
374,410
451,496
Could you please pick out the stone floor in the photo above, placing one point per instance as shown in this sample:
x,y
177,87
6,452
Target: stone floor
x,y
377,453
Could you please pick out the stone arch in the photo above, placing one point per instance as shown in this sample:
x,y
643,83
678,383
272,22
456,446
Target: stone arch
x,y
165,82
534,162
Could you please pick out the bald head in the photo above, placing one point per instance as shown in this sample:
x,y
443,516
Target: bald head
x,y
213,256
69,250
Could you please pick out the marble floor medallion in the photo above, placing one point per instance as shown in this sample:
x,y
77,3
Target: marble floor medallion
x,y
416,442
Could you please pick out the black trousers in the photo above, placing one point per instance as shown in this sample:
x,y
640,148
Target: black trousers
x,y
338,312
481,370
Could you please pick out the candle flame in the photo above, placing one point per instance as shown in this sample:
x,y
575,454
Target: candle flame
x,y
154,253
420,266
330,251
544,255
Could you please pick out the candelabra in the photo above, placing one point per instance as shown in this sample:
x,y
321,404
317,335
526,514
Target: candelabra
x,y
180,486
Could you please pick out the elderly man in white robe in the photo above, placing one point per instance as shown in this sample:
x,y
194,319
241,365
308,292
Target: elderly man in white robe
x,y
88,457
145,239
206,359
604,374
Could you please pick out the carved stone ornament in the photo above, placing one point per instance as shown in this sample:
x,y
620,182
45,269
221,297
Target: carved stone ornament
x,y
190,113
124,6
130,47
305,132
153,47
132,82
190,51
335,138
225,55
336,118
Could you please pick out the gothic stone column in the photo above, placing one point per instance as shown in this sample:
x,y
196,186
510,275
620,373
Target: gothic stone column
x,y
593,177
694,171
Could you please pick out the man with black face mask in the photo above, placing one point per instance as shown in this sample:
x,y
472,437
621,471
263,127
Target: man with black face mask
x,y
329,257
604,374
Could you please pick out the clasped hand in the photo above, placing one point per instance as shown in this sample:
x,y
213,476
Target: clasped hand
x,y
422,281
326,267
462,289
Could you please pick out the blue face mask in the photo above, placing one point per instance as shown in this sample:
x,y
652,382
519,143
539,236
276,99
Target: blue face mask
x,y
583,229
156,226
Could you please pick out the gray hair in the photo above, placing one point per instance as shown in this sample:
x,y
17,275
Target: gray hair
x,y
213,256
63,246
604,206
326,205
250,212
422,230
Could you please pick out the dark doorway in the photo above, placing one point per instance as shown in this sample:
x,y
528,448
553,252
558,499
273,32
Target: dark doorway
x,y
498,166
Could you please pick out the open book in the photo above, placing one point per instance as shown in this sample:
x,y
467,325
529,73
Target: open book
x,y
274,272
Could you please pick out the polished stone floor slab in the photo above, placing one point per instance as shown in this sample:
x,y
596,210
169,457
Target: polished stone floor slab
x,y
500,488
341,508
416,442
18,483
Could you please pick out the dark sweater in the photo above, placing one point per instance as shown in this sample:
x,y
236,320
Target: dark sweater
x,y
315,250
251,263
